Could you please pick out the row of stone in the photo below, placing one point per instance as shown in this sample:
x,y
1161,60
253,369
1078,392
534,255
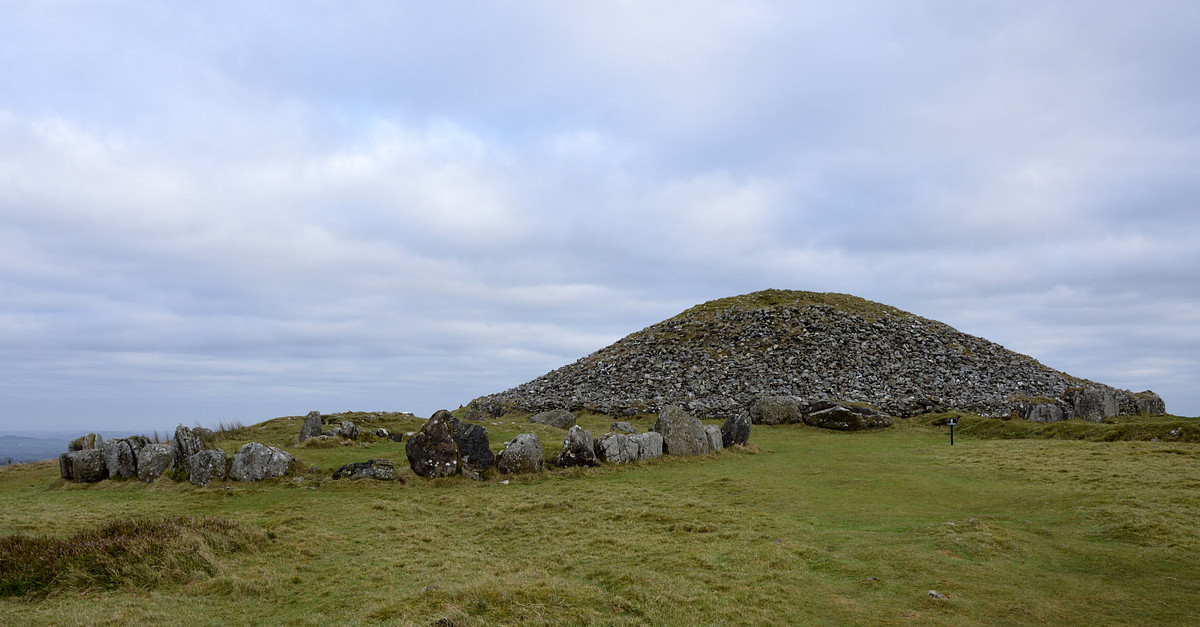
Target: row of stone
x,y
92,459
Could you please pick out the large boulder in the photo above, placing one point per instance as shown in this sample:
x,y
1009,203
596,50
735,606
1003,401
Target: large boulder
x,y
776,410
474,448
378,469
617,448
311,427
682,434
1045,412
558,418
1150,404
622,427
577,449
153,461
650,445
432,451
713,433
256,461
86,442
349,430
205,467
736,431
86,466
845,417
185,444
523,453
64,465
1092,404
120,459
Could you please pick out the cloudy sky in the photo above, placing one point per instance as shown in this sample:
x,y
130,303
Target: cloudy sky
x,y
217,211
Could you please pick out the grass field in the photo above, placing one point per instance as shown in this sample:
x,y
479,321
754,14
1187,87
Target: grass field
x,y
804,527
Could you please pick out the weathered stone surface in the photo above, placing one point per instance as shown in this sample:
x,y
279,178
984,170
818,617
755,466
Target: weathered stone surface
x,y
682,434
715,359
120,459
64,465
1045,412
1150,404
523,453
349,430
86,442
622,427
558,418
185,444
736,431
844,417
311,427
153,461
474,447
650,445
87,466
578,449
432,451
378,469
776,410
206,466
256,461
713,434
617,448
1093,404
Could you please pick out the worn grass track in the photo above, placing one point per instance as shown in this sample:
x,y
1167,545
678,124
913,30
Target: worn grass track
x,y
818,528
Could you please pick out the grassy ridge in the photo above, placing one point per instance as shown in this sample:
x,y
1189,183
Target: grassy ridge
x,y
817,528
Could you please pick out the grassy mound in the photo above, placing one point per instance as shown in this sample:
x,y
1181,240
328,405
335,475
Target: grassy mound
x,y
1120,429
133,553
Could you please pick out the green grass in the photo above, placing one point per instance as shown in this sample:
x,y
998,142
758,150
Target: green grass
x,y
808,527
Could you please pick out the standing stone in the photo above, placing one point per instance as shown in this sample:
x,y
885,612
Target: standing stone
x,y
523,453
86,443
153,461
378,469
350,431
713,433
185,444
432,451
775,410
736,431
474,448
650,445
206,466
120,459
617,448
577,449
87,466
256,461
682,434
558,418
1045,412
622,427
1093,405
311,427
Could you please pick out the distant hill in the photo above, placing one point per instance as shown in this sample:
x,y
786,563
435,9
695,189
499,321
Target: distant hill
x,y
715,358
16,449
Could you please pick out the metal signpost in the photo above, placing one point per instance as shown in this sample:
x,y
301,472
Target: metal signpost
x,y
952,422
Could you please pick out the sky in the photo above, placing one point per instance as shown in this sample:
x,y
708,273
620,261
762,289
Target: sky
x,y
231,211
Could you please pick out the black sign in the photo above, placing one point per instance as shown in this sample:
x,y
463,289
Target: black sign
x,y
952,421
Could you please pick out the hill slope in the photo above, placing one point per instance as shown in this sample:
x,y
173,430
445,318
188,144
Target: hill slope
x,y
715,358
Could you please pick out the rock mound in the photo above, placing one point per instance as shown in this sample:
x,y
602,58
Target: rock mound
x,y
714,359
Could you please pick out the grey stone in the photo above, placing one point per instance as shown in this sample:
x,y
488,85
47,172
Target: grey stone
x,y
577,449
650,445
1093,404
1045,412
713,433
205,467
1150,404
523,453
736,431
474,447
775,410
622,427
86,442
378,469
64,465
120,459
256,461
350,431
617,448
558,418
153,461
185,444
845,417
682,434
432,451
311,427
87,466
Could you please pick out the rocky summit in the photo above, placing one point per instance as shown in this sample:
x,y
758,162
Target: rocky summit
x,y
717,358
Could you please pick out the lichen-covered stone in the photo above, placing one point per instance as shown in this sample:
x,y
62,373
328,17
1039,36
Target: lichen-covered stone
x,y
185,444
432,451
153,461
775,410
557,418
1093,404
378,469
206,466
120,459
256,461
616,448
622,427
87,466
713,434
736,431
845,417
474,447
522,454
577,449
311,427
1045,412
682,434
650,445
